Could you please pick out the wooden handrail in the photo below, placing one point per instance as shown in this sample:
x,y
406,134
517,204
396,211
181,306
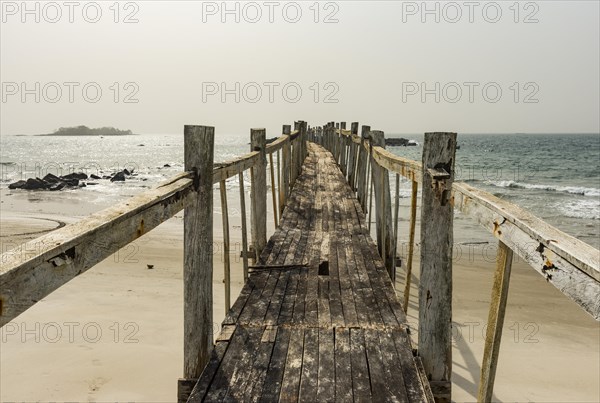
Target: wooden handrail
x,y
569,264
34,269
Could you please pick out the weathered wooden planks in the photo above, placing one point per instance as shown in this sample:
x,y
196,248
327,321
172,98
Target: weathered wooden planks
x,y
320,320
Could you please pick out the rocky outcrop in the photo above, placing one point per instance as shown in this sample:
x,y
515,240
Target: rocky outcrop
x,y
119,177
400,142
74,180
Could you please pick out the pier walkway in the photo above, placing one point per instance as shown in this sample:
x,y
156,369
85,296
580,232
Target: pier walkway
x,y
318,319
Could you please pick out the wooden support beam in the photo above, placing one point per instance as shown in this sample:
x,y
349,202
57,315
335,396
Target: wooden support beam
x,y
363,191
226,246
396,211
197,253
286,155
435,288
244,225
383,221
352,156
280,192
495,322
258,192
411,242
303,148
370,190
273,189
343,148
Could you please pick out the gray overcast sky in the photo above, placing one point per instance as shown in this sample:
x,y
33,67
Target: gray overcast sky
x,y
372,61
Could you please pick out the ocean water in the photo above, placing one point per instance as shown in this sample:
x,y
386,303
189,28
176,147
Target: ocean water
x,y
555,176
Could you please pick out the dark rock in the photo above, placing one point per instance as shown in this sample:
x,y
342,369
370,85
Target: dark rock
x,y
119,177
51,179
92,176
74,175
82,185
35,184
17,185
166,166
106,177
396,142
92,183
126,172
71,182
56,186
140,145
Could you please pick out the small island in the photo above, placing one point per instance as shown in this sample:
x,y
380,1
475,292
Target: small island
x,y
86,131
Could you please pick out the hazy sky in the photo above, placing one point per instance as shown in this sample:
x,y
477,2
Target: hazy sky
x,y
371,62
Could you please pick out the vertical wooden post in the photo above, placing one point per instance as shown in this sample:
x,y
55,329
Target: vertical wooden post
x,y
352,159
303,147
370,190
286,155
383,221
258,192
273,189
343,143
396,211
495,322
279,206
198,258
435,288
362,169
411,242
244,226
330,132
226,262
337,143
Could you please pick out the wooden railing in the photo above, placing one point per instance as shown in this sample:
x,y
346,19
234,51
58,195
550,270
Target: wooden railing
x,y
569,264
33,270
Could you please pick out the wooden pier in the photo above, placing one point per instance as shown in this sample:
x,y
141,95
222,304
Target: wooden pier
x,y
318,318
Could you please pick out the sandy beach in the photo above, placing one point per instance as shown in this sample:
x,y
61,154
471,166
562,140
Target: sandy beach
x,y
115,332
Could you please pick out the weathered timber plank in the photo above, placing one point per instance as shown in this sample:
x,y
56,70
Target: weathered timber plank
x,y
228,169
391,363
326,375
216,357
274,375
239,352
343,365
310,366
248,367
255,382
380,388
290,385
360,369
415,388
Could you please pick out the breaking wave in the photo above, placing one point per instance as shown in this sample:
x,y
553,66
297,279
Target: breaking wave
x,y
582,191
